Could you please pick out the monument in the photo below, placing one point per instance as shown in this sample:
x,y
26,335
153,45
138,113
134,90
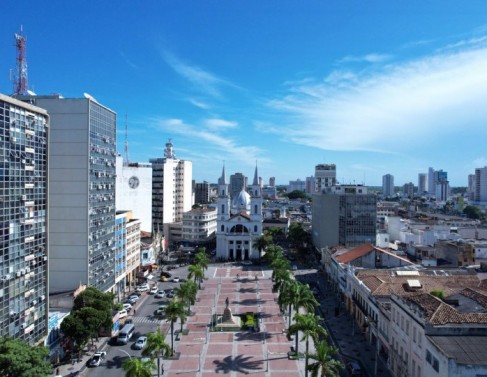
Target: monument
x,y
227,322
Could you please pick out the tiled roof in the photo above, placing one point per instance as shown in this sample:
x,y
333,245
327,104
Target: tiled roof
x,y
355,253
467,350
386,283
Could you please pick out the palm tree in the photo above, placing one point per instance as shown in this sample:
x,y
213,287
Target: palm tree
x,y
157,347
324,361
261,243
280,276
308,325
202,259
304,298
196,272
135,367
286,296
272,252
279,262
187,293
172,313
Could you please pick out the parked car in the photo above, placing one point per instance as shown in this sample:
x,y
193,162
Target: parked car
x,y
134,297
97,358
175,279
153,290
160,294
164,278
354,369
171,294
166,274
127,306
160,310
143,287
140,343
130,301
122,314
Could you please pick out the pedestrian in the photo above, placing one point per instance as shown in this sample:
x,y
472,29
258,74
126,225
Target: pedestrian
x,y
135,312
57,371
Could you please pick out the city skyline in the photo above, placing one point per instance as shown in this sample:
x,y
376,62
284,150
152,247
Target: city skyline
x,y
374,88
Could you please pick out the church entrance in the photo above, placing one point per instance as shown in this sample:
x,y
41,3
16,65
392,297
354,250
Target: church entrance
x,y
239,254
246,255
230,254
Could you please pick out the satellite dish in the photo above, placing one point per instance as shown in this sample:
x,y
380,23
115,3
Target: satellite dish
x,y
31,93
89,96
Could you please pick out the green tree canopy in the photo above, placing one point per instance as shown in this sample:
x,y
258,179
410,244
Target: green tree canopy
x,y
135,367
472,212
94,298
297,194
324,364
73,327
19,359
157,347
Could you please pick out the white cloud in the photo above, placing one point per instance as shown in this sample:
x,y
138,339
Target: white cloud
x,y
394,107
204,80
199,104
213,143
218,124
368,58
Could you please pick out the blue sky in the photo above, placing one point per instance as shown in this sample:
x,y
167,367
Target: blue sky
x,y
375,87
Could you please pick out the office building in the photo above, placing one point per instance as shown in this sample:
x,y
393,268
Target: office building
x,y
172,192
199,226
272,181
238,181
325,176
310,185
408,190
202,193
82,152
431,181
388,185
23,220
481,185
343,215
422,181
297,185
134,191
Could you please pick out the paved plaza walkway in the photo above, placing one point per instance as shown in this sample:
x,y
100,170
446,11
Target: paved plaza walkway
x,y
260,354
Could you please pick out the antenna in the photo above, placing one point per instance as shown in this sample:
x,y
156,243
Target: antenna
x,y
20,81
126,162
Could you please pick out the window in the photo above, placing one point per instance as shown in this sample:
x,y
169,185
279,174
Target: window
x,y
414,334
428,356
255,228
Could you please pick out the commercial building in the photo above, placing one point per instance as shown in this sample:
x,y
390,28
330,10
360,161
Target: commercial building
x,y
82,152
480,193
297,185
325,176
343,215
199,226
238,181
134,191
171,188
388,185
202,193
408,190
422,181
23,220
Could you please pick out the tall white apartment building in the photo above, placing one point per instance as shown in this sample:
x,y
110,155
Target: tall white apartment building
x,y
134,191
431,181
388,185
23,220
82,152
199,226
172,191
325,176
481,184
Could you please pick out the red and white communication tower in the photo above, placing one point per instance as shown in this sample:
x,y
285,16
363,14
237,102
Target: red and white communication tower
x,y
20,82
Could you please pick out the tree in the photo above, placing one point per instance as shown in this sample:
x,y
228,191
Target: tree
x,y
272,252
187,293
286,296
195,271
297,234
157,347
261,243
19,359
304,299
135,367
280,276
94,298
324,361
92,320
297,194
472,212
73,327
308,325
172,313
201,258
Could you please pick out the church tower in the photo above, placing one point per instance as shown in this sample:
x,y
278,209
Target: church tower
x,y
256,201
223,197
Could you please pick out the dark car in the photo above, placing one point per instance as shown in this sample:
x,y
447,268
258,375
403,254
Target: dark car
x,y
97,359
354,369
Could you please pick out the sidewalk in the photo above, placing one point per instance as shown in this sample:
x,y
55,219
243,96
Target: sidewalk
x,y
77,368
346,335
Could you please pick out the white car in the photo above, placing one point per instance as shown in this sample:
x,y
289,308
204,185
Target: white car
x,y
97,358
153,290
122,314
140,343
133,297
127,306
143,287
175,279
160,294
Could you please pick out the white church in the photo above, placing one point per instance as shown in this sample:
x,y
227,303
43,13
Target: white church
x,y
239,221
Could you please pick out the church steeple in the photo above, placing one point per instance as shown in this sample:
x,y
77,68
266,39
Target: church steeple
x,y
223,179
256,176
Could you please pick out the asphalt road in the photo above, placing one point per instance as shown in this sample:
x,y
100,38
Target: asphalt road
x,y
144,322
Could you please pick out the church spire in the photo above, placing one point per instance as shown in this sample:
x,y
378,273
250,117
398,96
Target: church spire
x,y
256,176
223,179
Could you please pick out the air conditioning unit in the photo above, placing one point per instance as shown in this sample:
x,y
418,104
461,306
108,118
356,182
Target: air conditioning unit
x,y
23,325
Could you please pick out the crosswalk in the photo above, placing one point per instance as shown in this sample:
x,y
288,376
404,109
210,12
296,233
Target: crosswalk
x,y
147,319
